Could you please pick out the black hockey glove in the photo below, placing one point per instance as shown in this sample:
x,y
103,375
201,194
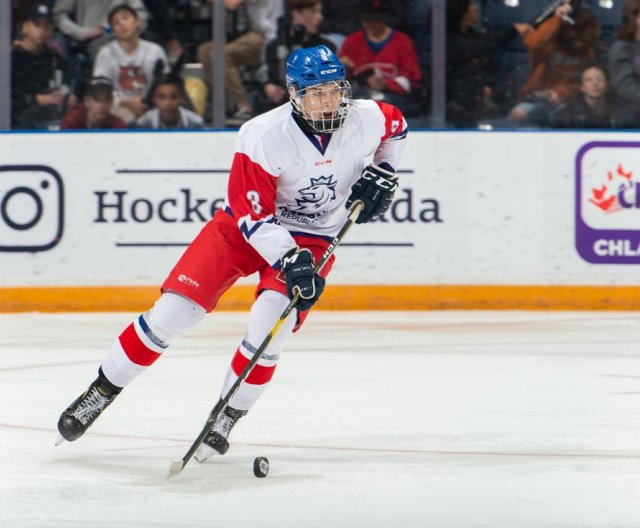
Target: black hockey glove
x,y
375,189
297,267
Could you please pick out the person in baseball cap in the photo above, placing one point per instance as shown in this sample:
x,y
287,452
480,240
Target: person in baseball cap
x,y
37,23
95,112
36,97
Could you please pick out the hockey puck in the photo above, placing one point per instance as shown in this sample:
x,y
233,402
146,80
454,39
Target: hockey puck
x,y
261,467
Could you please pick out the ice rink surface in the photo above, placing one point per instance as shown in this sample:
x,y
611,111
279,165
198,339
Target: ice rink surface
x,y
403,419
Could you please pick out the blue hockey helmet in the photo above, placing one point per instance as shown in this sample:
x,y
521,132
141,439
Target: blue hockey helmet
x,y
323,109
309,66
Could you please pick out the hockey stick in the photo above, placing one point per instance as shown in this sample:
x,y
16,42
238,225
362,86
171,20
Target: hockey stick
x,y
178,465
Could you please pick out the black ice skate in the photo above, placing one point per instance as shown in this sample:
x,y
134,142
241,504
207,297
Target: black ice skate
x,y
216,440
79,416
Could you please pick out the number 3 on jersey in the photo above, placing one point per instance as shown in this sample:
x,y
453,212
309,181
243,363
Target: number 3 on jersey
x,y
254,198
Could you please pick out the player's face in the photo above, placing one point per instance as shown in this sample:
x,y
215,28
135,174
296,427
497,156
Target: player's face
x,y
321,101
166,99
124,25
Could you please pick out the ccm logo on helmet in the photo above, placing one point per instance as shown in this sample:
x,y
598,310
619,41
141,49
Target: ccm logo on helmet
x,y
332,70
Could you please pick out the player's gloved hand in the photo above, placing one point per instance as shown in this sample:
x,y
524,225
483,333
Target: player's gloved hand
x,y
375,189
297,267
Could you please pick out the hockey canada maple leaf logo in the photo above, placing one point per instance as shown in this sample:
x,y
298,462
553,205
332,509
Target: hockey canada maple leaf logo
x,y
321,191
610,196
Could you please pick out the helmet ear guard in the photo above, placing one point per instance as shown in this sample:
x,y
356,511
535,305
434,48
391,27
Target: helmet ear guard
x,y
310,67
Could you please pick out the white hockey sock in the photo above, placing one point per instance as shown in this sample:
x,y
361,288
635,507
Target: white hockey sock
x,y
264,313
142,342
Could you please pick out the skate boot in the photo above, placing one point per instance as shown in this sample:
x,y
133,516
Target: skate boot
x,y
216,440
79,416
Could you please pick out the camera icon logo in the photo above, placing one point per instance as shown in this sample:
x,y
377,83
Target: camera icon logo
x,y
31,208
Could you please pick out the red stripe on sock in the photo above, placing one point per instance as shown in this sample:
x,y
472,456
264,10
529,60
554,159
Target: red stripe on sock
x,y
135,349
259,375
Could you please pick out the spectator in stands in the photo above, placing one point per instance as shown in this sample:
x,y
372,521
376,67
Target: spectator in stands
x,y
473,84
624,56
382,61
594,106
38,74
254,23
131,63
85,22
95,112
301,29
342,17
559,51
168,112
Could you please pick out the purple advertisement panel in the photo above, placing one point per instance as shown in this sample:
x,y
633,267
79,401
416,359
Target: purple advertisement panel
x,y
608,202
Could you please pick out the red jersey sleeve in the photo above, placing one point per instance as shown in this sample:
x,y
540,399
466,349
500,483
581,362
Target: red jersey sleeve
x,y
252,190
251,196
394,124
391,145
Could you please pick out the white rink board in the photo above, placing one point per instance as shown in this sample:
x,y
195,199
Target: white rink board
x,y
472,208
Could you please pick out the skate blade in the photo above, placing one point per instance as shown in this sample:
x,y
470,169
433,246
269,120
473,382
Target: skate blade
x,y
175,468
60,440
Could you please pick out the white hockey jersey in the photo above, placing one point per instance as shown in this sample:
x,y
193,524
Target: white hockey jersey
x,y
284,181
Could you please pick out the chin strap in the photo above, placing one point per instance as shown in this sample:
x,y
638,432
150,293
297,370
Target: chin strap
x,y
303,124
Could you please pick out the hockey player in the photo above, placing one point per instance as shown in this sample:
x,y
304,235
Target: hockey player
x,y
295,171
